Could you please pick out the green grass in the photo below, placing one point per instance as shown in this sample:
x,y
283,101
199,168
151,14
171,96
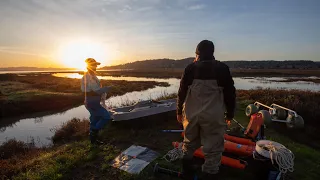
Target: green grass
x,y
32,94
26,95
80,160
57,165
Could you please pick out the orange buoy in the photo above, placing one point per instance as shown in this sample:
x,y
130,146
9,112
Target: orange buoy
x,y
239,140
254,126
231,147
227,161
238,149
235,139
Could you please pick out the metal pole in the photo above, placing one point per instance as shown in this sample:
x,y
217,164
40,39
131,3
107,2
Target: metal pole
x,y
173,131
239,124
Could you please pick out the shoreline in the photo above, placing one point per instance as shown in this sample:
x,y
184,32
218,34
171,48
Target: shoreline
x,y
26,95
72,156
177,73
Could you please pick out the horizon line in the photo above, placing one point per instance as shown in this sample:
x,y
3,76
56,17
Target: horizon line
x,y
145,60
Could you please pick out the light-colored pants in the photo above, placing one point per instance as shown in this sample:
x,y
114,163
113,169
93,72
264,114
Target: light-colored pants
x,y
204,123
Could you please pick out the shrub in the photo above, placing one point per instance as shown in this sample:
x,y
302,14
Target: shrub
x,y
74,129
13,147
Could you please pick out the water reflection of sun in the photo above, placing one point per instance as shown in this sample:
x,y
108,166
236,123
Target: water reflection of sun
x,y
74,54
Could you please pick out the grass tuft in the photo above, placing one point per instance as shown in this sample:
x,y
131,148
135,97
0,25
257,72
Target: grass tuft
x,y
72,130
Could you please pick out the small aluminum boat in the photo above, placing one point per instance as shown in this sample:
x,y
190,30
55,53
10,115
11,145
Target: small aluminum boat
x,y
143,109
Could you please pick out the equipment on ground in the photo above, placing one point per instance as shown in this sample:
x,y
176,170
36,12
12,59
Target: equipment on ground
x,y
134,159
240,125
276,113
143,109
158,169
277,153
242,150
240,146
251,146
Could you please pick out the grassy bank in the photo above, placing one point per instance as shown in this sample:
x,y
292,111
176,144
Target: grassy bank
x,y
78,160
176,73
33,93
72,157
317,81
274,72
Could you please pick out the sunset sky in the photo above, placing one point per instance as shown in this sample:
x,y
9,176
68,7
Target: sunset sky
x,y
61,33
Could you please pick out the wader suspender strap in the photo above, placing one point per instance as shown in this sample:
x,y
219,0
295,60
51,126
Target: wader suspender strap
x,y
85,88
85,84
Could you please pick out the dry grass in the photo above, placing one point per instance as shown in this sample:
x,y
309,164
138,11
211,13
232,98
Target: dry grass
x,y
317,81
12,148
274,72
15,155
176,73
45,93
78,160
149,73
73,130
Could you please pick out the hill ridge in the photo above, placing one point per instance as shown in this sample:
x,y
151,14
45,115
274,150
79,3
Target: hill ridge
x,y
246,64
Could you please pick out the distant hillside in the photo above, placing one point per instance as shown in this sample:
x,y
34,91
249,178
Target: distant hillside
x,y
155,63
266,64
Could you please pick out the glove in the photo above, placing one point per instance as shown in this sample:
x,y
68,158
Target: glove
x,y
229,115
228,121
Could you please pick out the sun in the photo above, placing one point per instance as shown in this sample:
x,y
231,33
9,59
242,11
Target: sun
x,y
73,54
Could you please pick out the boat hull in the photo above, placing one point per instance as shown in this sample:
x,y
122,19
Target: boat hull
x,y
143,109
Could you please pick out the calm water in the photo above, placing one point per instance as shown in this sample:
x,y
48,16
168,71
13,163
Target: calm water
x,y
40,127
50,71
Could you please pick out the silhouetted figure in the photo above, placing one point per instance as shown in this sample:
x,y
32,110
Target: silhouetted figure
x,y
206,92
94,93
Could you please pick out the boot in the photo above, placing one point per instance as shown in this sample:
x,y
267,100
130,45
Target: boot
x,y
187,169
94,137
207,176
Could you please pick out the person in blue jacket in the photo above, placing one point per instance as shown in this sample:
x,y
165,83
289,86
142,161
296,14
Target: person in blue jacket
x,y
94,93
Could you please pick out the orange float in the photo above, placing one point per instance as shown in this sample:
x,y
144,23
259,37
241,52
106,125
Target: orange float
x,y
231,147
237,145
254,126
227,161
239,140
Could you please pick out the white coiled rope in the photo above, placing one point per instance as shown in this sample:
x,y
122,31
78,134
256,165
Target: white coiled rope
x,y
278,153
283,157
174,154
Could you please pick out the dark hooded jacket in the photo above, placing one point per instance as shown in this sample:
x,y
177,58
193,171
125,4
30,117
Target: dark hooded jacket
x,y
208,70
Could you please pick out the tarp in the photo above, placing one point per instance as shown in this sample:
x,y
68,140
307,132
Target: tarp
x,y
134,159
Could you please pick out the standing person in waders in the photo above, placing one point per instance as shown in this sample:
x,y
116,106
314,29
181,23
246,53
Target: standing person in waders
x,y
94,95
206,92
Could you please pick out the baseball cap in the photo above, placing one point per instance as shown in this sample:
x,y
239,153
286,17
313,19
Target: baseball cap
x,y
92,62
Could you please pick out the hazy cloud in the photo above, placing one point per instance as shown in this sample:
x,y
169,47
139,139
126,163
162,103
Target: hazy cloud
x,y
163,28
12,50
126,8
196,7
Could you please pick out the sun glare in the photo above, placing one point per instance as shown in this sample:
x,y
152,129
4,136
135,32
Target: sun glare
x,y
74,54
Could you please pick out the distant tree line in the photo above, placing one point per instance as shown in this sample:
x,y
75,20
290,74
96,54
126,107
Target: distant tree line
x,y
259,64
